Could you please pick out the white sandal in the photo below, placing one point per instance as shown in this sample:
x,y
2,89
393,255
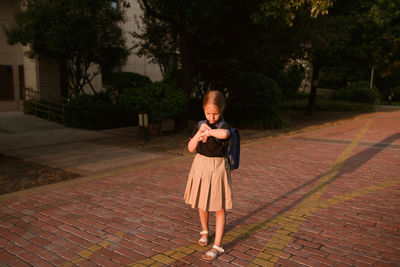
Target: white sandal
x,y
212,255
203,241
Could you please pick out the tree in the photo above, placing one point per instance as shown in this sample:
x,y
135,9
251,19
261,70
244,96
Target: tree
x,y
311,36
157,40
287,9
366,36
206,36
176,15
322,41
81,36
381,38
217,40
211,40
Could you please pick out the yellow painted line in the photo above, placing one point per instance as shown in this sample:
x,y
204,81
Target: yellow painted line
x,y
356,193
264,258
290,221
164,160
87,253
170,256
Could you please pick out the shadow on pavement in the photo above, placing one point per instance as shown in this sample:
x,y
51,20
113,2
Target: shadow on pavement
x,y
351,164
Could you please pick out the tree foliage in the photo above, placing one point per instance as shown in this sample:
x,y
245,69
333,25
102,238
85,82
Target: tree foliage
x,y
358,92
381,23
158,41
81,36
287,9
210,42
216,41
355,34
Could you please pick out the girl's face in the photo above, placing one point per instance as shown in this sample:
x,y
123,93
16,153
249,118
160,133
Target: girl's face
x,y
212,113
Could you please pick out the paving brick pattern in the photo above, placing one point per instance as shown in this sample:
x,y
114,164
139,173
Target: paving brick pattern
x,y
330,197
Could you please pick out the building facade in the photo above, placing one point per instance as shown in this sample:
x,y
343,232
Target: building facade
x,y
134,63
17,71
11,62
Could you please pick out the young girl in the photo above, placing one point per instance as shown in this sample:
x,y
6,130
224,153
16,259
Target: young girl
x,y
209,183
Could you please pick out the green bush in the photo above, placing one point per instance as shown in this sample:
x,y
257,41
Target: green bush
x,y
97,112
255,92
306,96
358,92
158,99
336,77
271,118
252,105
395,94
85,111
290,81
118,81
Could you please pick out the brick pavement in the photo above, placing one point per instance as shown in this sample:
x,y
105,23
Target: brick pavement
x,y
329,197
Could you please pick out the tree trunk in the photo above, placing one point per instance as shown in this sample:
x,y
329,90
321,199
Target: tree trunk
x,y
371,83
313,92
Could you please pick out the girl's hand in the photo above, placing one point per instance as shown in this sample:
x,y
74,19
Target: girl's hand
x,y
204,127
203,132
203,136
200,136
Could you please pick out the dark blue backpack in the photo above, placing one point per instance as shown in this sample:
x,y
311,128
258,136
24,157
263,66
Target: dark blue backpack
x,y
233,148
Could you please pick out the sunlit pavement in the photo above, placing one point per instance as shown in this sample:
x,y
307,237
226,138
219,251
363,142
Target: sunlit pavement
x,y
74,150
329,197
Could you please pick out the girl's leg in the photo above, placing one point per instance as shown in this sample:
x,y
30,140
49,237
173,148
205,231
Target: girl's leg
x,y
219,232
204,221
219,226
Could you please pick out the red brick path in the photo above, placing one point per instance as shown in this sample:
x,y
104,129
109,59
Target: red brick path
x,y
330,197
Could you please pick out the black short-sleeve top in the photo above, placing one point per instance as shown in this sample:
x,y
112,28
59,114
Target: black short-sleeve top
x,y
213,147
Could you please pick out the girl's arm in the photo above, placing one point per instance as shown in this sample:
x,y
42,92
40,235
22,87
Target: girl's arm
x,y
218,133
202,135
199,136
192,145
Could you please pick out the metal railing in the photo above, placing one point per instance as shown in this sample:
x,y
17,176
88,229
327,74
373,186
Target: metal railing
x,y
50,109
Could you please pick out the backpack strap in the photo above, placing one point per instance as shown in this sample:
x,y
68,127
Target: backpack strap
x,y
222,122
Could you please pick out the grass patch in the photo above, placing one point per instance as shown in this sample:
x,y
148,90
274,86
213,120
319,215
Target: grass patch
x,y
18,174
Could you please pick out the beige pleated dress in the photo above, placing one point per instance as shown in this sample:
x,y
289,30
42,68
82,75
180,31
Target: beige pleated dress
x,y
209,183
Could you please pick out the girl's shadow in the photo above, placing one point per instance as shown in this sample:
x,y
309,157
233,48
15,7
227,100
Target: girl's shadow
x,y
350,165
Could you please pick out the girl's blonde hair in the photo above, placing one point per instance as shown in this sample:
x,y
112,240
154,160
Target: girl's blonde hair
x,y
214,97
